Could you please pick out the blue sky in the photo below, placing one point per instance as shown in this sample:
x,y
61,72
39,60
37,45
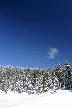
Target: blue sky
x,y
35,33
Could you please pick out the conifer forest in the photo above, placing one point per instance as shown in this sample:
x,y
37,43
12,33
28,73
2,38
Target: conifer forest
x,y
37,80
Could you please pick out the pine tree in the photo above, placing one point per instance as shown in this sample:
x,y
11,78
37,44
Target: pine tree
x,y
46,80
67,75
55,82
59,74
38,81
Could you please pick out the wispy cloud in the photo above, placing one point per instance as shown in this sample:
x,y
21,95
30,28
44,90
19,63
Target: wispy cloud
x,y
52,53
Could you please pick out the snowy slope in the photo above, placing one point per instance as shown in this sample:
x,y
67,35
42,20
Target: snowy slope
x,y
57,100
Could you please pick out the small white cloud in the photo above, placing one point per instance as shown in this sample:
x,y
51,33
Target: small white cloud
x,y
52,53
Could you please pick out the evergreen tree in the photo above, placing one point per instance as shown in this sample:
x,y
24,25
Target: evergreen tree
x,y
46,80
67,75
59,74
55,82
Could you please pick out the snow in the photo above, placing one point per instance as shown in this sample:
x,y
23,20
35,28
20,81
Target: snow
x,y
68,65
57,100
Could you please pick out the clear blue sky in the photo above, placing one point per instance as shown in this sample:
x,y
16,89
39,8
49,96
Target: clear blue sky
x,y
35,33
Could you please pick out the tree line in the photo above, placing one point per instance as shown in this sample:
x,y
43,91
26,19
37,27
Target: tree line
x,y
37,80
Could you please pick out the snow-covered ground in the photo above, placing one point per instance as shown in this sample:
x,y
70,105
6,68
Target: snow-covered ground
x,y
61,99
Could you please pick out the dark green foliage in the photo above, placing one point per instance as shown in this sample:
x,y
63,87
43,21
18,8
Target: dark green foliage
x,y
46,83
67,75
59,74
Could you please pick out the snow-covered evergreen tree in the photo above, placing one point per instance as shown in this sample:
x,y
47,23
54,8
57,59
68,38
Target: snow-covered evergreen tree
x,y
59,74
55,82
46,80
67,75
